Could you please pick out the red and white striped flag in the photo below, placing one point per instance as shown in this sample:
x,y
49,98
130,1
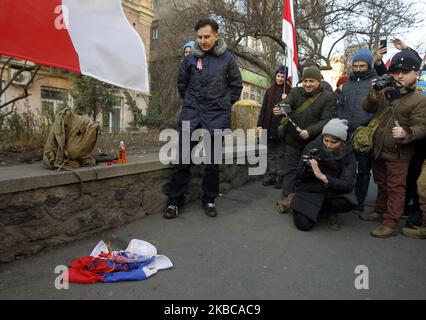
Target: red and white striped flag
x,y
289,38
92,37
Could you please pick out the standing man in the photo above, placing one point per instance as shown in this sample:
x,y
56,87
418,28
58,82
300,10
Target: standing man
x,y
312,107
209,83
350,108
403,111
276,148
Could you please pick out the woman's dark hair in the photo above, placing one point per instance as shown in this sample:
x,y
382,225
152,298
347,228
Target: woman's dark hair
x,y
207,22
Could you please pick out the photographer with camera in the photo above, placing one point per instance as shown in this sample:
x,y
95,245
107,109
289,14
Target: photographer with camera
x,y
402,112
276,149
325,178
311,108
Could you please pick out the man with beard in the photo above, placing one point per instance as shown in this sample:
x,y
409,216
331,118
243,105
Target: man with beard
x,y
350,108
312,107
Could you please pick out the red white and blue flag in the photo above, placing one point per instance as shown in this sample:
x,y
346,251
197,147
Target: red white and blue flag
x,y
92,37
289,38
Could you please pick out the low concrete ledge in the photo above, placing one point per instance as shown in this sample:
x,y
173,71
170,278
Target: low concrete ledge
x,y
41,208
30,177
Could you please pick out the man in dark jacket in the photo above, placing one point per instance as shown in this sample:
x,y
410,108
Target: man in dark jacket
x,y
350,108
312,107
326,177
266,120
209,83
404,121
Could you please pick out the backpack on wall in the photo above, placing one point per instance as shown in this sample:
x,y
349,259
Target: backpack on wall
x,y
71,138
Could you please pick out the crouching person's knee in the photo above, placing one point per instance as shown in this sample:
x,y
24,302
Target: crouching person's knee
x,y
302,222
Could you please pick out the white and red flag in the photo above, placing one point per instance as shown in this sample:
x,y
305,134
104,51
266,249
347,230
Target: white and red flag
x,y
92,37
289,38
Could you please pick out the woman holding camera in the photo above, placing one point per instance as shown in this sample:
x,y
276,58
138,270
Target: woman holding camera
x,y
325,178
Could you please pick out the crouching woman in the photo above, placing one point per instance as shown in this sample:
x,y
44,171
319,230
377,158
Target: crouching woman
x,y
326,177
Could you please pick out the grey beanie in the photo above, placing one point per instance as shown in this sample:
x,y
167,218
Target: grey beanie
x,y
337,128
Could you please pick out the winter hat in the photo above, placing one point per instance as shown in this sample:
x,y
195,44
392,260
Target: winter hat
x,y
189,44
405,60
341,80
313,73
363,55
337,128
281,69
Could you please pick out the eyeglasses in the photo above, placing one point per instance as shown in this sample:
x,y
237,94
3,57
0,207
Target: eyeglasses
x,y
360,66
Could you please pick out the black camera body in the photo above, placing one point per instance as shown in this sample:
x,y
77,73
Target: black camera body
x,y
384,81
313,154
285,107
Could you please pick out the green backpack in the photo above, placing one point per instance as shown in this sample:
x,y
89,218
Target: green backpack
x,y
362,138
71,138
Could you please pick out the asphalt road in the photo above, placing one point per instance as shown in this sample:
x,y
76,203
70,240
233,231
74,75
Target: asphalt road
x,y
248,252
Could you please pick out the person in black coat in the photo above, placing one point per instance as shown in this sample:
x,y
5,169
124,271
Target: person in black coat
x,y
350,108
276,148
325,178
209,84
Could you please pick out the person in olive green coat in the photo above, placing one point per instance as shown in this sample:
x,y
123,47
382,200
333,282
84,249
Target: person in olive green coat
x,y
312,107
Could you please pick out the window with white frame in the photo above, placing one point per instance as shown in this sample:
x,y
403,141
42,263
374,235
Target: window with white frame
x,y
112,121
253,92
53,100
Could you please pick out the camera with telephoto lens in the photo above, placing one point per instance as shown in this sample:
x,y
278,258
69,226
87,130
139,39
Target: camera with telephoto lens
x,y
284,107
384,81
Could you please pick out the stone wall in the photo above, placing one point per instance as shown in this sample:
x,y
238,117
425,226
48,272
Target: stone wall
x,y
31,220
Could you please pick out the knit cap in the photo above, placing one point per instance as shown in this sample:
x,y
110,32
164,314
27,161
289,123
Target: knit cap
x,y
189,44
341,80
337,128
312,73
363,55
281,70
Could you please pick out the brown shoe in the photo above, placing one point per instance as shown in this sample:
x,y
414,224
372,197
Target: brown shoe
x,y
333,222
370,216
383,232
417,233
284,204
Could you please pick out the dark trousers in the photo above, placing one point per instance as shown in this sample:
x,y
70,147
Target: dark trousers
x,y
330,205
363,176
414,170
276,153
291,160
391,179
182,175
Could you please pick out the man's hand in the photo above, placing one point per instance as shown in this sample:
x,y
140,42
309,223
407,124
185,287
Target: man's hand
x,y
399,44
398,132
317,172
277,111
379,56
304,134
